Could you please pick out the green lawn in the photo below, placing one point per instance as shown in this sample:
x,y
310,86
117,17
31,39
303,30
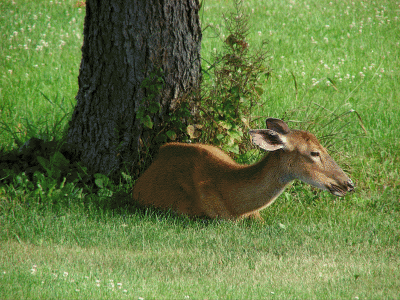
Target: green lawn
x,y
58,242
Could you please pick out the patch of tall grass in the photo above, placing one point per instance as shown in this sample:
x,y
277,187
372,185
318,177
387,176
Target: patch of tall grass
x,y
41,44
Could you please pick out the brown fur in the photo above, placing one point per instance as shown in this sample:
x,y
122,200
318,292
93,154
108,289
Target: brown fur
x,y
201,180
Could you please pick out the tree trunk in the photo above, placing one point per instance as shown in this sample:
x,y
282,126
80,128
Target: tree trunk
x,y
124,42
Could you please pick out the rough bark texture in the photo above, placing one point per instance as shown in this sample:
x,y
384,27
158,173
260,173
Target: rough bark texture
x,y
124,40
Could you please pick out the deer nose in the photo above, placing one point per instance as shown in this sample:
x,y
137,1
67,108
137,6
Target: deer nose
x,y
350,186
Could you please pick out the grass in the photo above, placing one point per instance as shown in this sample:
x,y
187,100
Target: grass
x,y
58,241
40,48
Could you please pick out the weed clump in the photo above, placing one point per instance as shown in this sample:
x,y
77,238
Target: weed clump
x,y
232,87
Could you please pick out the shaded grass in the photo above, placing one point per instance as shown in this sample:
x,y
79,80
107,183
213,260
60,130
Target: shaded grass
x,y
325,251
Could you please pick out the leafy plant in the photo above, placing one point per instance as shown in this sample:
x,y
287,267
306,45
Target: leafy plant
x,y
233,86
55,166
174,127
153,84
104,184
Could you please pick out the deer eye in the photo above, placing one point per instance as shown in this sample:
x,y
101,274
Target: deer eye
x,y
314,153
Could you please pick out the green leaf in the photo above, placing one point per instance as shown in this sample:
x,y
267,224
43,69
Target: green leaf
x,y
146,121
105,193
225,125
59,161
234,148
127,177
235,134
171,134
51,169
44,163
99,182
259,90
193,133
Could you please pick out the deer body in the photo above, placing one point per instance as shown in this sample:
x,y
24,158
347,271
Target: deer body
x,y
202,180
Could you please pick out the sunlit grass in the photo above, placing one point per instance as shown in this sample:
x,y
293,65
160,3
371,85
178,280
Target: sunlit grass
x,y
333,57
40,49
329,251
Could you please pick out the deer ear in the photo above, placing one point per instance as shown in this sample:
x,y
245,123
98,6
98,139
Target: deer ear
x,y
267,139
277,125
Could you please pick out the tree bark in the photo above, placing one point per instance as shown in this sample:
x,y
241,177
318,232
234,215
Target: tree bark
x,y
124,42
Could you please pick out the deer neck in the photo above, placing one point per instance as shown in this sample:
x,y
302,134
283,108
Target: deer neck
x,y
257,186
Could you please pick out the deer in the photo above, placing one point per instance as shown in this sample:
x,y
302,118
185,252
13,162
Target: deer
x,y
202,181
